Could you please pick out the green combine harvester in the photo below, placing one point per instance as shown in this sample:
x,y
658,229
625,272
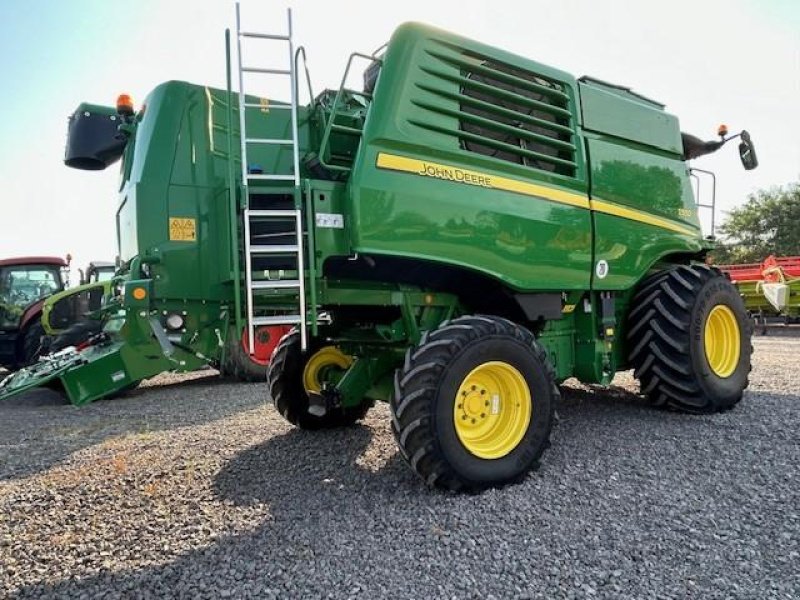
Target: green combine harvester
x,y
456,238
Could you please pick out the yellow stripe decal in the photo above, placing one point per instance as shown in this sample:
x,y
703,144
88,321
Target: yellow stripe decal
x,y
476,178
458,175
635,215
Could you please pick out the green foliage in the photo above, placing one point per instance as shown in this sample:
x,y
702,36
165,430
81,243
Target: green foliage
x,y
769,223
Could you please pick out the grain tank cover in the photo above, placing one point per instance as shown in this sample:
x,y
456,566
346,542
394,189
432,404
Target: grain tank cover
x,y
619,111
93,139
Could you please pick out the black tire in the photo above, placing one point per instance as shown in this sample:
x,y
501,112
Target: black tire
x,y
285,381
76,334
425,394
666,340
237,363
32,344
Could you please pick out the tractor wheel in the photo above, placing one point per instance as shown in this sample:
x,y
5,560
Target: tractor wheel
x,y
473,404
292,372
689,340
76,334
239,364
32,341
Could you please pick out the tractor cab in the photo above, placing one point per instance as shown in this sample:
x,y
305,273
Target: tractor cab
x,y
24,284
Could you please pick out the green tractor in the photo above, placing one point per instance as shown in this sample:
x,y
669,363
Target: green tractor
x,y
456,238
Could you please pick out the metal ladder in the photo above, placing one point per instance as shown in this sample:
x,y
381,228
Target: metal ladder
x,y
251,179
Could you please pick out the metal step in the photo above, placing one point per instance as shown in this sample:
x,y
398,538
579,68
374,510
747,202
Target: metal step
x,y
264,36
274,249
276,284
268,177
277,320
267,141
272,213
346,129
267,71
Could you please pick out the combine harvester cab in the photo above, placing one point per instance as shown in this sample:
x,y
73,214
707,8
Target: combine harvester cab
x,y
456,237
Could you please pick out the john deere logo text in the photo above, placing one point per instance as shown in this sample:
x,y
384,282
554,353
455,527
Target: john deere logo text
x,y
451,174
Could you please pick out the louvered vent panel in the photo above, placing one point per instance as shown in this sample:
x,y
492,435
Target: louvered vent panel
x,y
503,111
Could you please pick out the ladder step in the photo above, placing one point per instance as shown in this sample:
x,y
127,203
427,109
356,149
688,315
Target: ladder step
x,y
346,129
268,71
270,177
264,36
267,106
273,249
272,213
277,320
277,284
268,141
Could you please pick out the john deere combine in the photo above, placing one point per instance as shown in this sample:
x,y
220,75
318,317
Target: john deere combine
x,y
456,238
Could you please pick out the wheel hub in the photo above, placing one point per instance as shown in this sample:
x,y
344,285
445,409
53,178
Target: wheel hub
x,y
492,410
319,367
722,341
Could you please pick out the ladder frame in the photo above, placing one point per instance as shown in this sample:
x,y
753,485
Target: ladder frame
x,y
252,321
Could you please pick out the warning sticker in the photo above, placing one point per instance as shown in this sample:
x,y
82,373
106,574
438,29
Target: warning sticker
x,y
182,229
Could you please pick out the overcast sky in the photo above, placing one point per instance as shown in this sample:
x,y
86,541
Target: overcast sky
x,y
709,61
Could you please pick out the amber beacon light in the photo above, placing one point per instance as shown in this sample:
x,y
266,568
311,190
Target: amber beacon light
x,y
124,104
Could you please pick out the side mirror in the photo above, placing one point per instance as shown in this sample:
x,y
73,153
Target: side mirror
x,y
747,152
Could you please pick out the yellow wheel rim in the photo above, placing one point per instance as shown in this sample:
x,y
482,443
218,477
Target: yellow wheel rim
x,y
722,341
320,364
492,410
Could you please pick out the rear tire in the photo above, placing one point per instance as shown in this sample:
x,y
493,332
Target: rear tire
x,y
473,404
689,340
32,344
238,364
286,386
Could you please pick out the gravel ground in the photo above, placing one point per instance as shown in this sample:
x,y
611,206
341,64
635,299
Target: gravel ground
x,y
196,488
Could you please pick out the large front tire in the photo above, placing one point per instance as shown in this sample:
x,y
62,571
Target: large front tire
x,y
689,340
473,404
289,376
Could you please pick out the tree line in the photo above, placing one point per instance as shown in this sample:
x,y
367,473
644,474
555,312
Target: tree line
x,y
768,223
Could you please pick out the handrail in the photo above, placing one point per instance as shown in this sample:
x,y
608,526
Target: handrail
x,y
713,204
233,205
337,100
301,50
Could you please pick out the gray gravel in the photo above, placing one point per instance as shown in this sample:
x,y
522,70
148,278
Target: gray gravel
x,y
199,489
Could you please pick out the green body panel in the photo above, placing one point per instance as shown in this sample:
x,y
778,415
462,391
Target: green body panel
x,y
611,110
518,239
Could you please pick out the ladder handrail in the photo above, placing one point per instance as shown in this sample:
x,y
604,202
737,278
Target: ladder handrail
x,y
336,101
232,200
248,275
301,50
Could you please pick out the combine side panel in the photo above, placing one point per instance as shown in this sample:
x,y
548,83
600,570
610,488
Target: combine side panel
x,y
470,156
641,196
